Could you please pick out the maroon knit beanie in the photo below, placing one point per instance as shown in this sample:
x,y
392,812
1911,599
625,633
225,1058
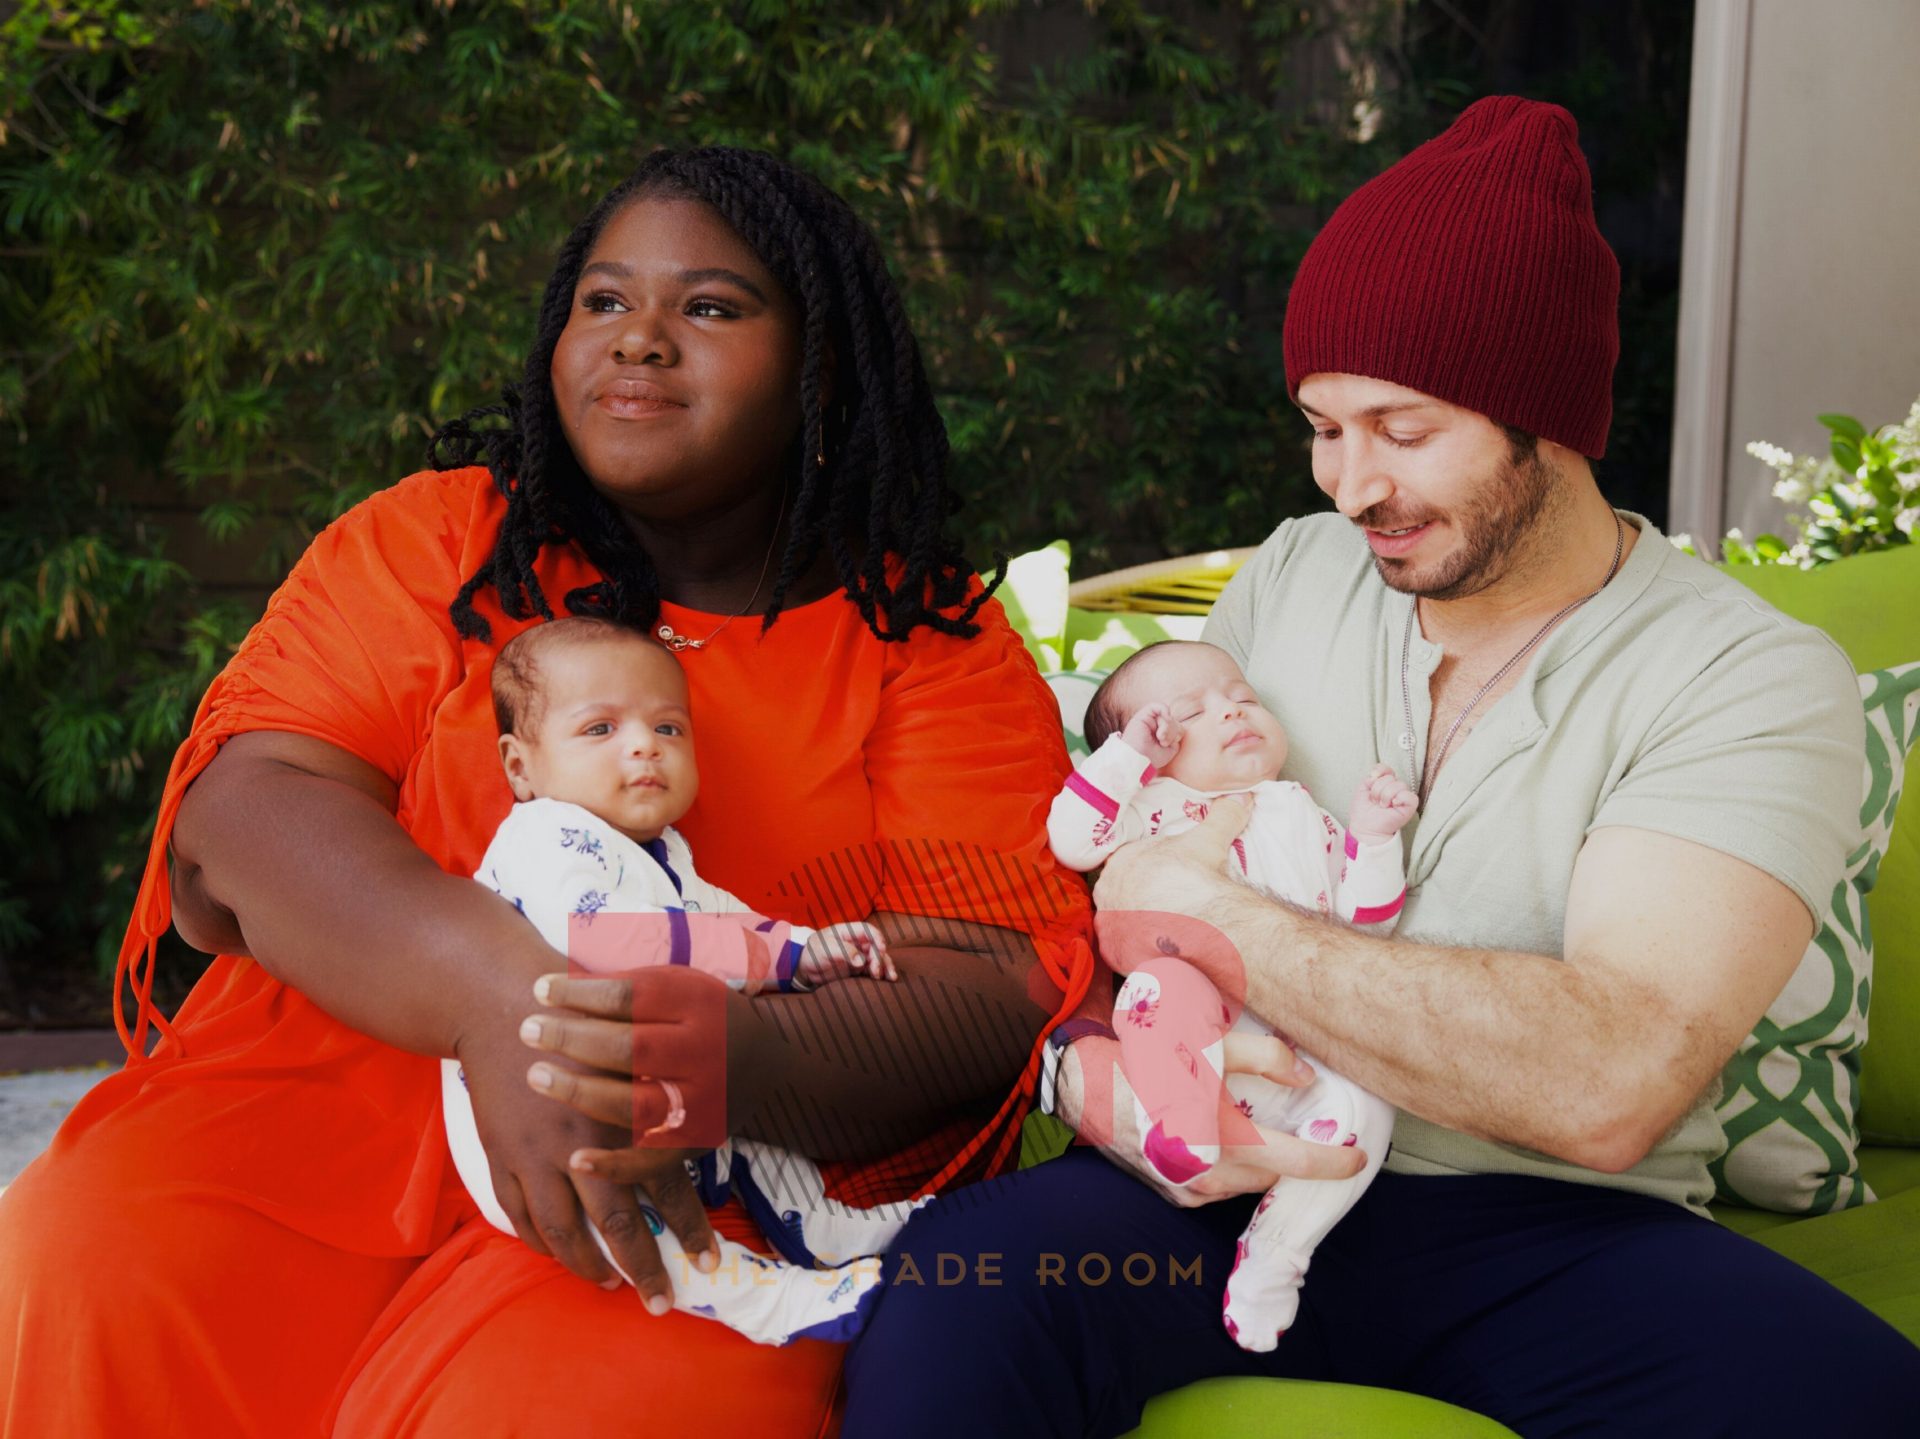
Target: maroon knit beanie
x,y
1472,271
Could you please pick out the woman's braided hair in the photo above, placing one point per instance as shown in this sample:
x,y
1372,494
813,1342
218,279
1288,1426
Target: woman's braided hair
x,y
882,491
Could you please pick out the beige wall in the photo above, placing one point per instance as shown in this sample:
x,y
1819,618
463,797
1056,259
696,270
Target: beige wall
x,y
1825,295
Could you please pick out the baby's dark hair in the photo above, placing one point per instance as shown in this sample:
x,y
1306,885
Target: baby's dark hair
x,y
518,690
882,490
1107,715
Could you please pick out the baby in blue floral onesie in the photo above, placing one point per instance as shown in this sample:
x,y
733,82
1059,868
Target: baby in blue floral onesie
x,y
596,739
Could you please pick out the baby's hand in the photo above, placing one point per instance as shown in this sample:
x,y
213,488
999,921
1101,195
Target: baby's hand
x,y
1155,733
1382,805
846,951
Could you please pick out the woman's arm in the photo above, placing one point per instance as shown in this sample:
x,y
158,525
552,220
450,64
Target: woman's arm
x,y
290,844
853,1070
279,830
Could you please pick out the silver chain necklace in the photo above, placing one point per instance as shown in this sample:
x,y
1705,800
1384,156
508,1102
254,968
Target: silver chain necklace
x,y
1407,740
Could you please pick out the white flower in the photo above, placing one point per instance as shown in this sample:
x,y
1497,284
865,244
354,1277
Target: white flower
x,y
1682,542
1772,456
1904,521
1793,491
1852,494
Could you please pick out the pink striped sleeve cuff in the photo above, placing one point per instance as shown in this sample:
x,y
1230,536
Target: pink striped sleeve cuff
x,y
1374,913
1099,799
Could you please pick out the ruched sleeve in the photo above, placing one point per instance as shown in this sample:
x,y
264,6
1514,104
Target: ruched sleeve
x,y
355,649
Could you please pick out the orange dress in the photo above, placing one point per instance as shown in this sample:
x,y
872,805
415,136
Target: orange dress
x,y
258,1230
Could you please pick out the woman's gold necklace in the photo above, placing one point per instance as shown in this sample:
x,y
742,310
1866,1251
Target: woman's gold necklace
x,y
678,643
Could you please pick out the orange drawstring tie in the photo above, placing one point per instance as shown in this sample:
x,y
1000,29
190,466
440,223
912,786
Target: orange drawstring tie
x,y
138,964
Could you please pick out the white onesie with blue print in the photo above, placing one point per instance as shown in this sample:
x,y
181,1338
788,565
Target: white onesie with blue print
x,y
563,868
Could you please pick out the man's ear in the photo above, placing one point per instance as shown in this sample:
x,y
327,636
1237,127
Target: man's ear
x,y
513,759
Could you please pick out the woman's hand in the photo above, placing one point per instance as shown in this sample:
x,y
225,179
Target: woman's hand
x,y
645,1052
1094,1098
531,1147
649,1051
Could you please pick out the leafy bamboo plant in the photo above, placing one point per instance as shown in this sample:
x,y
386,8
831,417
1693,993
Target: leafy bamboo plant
x,y
251,251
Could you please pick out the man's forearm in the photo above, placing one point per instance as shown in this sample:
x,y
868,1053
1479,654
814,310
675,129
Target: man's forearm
x,y
1516,1048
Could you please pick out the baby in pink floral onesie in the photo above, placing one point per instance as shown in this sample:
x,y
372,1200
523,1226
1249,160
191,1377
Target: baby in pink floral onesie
x,y
1172,729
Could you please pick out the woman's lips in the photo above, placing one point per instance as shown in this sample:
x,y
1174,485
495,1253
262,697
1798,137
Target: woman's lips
x,y
1393,546
633,407
632,399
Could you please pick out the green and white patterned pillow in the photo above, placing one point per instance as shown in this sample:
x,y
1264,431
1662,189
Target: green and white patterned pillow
x,y
1073,692
1790,1097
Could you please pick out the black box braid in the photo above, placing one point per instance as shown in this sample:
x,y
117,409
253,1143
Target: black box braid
x,y
882,491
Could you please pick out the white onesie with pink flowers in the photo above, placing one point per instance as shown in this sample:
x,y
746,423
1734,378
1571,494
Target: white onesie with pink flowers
x,y
1296,851
1291,847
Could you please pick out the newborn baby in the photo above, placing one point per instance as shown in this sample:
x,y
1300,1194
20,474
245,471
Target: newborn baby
x,y
1172,728
597,742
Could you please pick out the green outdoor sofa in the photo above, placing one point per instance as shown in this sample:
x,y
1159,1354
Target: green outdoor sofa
x,y
1870,604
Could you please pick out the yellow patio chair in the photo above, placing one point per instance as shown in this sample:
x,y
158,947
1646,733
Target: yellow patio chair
x,y
1187,585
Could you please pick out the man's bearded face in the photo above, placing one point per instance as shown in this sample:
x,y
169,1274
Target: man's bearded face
x,y
1448,500
1496,514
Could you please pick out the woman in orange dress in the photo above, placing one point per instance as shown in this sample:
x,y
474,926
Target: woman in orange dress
x,y
725,436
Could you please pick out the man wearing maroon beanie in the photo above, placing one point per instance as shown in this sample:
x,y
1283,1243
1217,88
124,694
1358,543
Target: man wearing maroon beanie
x,y
1637,784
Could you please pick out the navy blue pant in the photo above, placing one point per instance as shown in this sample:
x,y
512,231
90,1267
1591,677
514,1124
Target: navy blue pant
x,y
1058,1300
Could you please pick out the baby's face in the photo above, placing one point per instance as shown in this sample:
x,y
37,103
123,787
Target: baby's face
x,y
613,735
1229,740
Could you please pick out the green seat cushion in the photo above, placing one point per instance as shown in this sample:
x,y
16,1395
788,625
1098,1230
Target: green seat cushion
x,y
1871,1253
1742,1220
1303,1409
1868,604
1889,1170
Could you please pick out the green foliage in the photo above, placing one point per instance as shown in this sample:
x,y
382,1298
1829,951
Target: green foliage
x,y
255,249
251,251
1864,494
104,651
